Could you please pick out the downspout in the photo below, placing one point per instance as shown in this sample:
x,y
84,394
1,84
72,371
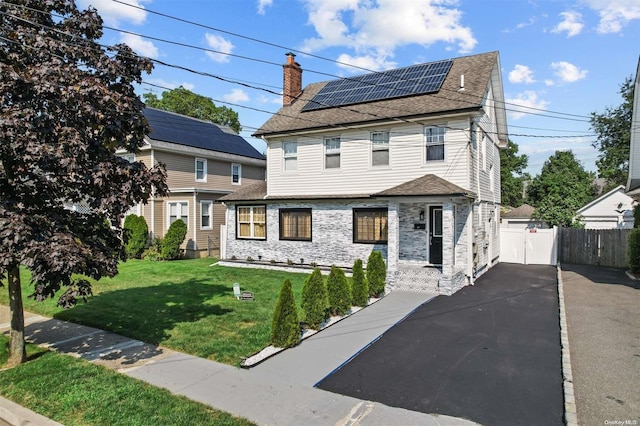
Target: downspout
x,y
195,219
153,201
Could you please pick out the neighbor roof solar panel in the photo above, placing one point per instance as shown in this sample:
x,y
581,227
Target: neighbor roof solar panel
x,y
409,81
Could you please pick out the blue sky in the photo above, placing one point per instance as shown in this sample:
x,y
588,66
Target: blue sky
x,y
561,60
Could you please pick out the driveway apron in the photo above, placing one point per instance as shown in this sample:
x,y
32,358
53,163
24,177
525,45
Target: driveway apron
x,y
490,353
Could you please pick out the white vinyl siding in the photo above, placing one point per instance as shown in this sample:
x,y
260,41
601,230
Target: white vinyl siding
x,y
356,174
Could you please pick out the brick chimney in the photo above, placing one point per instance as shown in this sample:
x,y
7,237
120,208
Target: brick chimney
x,y
292,85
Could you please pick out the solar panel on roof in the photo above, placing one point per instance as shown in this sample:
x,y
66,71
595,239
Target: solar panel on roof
x,y
413,80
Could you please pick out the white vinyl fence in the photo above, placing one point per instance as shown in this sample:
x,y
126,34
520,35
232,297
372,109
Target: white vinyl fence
x,y
529,246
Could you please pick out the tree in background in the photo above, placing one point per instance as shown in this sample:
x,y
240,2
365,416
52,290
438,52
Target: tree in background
x,y
561,188
613,130
185,102
67,104
315,300
285,327
360,287
512,175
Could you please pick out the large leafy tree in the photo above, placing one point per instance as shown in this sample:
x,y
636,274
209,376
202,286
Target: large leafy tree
x,y
185,102
613,131
562,187
67,104
512,175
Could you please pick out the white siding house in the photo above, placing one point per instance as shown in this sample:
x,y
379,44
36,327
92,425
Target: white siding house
x,y
633,184
613,210
357,165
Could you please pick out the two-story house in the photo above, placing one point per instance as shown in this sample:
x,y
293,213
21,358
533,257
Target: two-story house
x,y
404,161
204,161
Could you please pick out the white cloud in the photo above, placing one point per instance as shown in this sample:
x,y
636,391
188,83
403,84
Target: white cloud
x,y
366,62
168,85
521,74
236,95
376,29
614,14
113,13
277,100
139,45
571,24
523,103
567,72
219,44
263,4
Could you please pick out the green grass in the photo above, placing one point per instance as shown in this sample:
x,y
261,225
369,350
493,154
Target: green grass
x,y
75,392
184,305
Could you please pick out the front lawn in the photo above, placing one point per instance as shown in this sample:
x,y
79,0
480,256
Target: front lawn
x,y
72,391
185,305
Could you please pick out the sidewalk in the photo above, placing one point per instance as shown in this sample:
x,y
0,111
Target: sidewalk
x,y
278,392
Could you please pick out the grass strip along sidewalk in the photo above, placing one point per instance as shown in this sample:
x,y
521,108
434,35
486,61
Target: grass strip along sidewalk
x,y
184,305
72,391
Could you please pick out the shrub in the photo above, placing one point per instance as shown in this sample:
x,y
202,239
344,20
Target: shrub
x,y
634,250
376,274
360,287
338,291
636,216
285,327
137,233
154,252
314,300
173,239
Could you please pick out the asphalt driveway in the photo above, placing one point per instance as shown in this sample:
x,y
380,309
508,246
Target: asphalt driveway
x,y
490,353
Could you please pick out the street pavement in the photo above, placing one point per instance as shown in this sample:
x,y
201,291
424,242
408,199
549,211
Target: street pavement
x,y
489,353
603,317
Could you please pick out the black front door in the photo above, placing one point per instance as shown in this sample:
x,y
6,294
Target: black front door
x,y
435,235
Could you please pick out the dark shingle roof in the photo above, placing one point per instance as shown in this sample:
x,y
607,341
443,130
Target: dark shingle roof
x,y
179,129
253,192
477,71
425,186
525,211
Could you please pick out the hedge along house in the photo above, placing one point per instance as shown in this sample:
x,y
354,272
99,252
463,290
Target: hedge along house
x,y
404,161
204,161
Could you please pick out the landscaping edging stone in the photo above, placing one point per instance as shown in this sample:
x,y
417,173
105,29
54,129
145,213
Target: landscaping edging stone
x,y
570,413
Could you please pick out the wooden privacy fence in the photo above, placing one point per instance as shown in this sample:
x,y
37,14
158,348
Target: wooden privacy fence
x,y
605,247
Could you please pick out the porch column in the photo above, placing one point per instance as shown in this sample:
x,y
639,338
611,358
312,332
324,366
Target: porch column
x,y
448,248
393,237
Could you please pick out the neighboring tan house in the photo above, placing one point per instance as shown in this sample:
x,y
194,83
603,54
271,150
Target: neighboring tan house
x,y
633,183
204,161
522,218
613,210
404,161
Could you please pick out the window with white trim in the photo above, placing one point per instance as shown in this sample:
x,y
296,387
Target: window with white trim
x,y
379,148
332,153
178,210
435,142
129,157
290,153
236,173
251,222
201,170
206,214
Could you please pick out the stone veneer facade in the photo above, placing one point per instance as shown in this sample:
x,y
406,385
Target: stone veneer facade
x,y
332,243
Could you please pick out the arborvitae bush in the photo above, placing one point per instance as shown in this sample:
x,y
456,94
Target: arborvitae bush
x,y
173,239
137,233
360,287
376,274
285,327
338,291
314,300
634,250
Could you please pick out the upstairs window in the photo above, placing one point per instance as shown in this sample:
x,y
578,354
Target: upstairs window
x,y
435,142
201,170
379,148
236,174
252,222
370,226
290,152
295,224
332,153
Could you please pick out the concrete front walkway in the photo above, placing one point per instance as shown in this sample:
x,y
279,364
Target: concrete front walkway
x,y
276,393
